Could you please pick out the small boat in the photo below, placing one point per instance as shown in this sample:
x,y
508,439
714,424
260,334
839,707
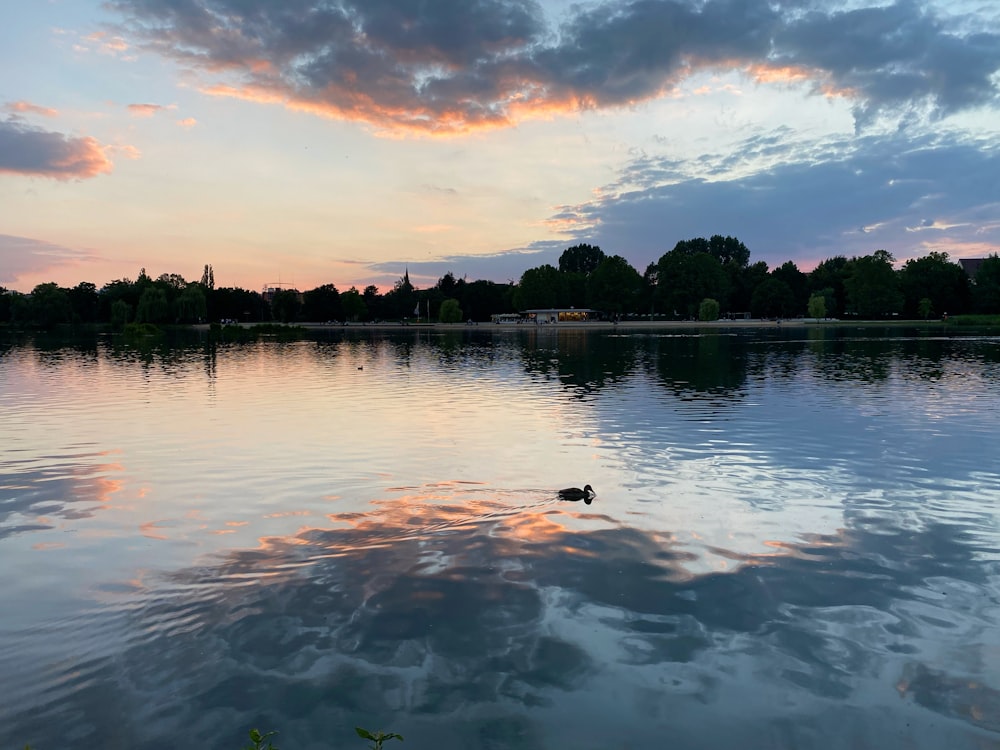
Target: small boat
x,y
575,493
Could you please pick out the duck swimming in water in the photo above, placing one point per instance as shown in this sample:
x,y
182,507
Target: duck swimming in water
x,y
575,493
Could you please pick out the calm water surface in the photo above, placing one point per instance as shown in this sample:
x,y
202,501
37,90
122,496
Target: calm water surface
x,y
795,542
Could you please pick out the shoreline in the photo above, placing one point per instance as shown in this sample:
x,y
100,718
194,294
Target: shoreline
x,y
601,325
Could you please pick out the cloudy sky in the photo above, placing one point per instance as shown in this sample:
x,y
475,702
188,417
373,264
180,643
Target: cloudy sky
x,y
318,141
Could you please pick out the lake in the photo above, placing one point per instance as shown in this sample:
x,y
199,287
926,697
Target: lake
x,y
795,541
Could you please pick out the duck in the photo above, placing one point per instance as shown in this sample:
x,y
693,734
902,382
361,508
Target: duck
x,y
575,493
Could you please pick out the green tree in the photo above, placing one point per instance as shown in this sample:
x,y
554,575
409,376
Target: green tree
x,y
685,279
925,307
50,305
121,313
772,299
541,287
120,289
450,312
987,288
582,259
817,306
729,251
746,281
190,305
286,305
828,278
872,286
353,305
614,286
208,277
482,298
234,303
797,282
153,306
84,301
937,278
708,310
6,298
322,303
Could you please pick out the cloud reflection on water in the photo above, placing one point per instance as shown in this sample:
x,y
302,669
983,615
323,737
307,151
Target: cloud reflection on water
x,y
465,616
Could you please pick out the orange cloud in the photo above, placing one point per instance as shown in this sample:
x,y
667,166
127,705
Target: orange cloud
x,y
148,110
23,107
43,154
791,75
187,122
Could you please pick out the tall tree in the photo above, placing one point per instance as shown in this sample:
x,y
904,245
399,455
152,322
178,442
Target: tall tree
x,y
772,299
830,275
987,288
190,305
541,287
583,259
84,300
729,251
353,305
614,286
798,284
450,311
322,303
872,286
6,298
936,278
686,278
50,305
153,306
286,305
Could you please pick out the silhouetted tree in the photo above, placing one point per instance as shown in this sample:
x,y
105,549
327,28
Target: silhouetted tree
x,y
830,275
450,311
6,297
50,306
772,299
322,303
541,287
686,278
987,288
582,259
153,306
798,284
208,277
190,305
936,278
614,286
353,305
84,301
872,286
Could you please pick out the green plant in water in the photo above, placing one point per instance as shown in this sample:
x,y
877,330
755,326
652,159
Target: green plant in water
x,y
260,741
378,738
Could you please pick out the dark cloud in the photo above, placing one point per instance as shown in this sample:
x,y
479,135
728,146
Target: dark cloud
x,y
454,65
898,55
811,203
27,150
800,201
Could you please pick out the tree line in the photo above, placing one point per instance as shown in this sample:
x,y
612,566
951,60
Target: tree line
x,y
698,279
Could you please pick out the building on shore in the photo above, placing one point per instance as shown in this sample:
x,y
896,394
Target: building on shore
x,y
561,315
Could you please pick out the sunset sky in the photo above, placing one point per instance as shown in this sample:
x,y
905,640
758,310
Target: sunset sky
x,y
342,141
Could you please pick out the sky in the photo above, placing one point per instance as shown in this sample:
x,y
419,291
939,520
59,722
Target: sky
x,y
307,142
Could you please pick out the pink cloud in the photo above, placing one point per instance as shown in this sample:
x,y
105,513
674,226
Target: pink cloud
x,y
23,107
147,110
26,150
